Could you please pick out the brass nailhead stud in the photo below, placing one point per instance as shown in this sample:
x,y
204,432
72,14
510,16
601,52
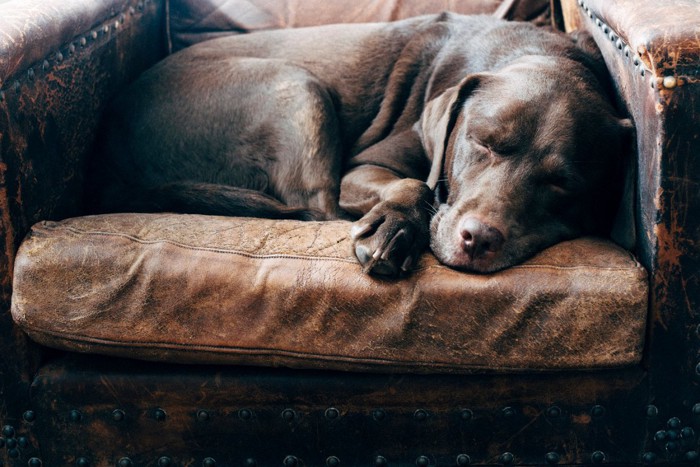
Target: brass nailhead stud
x,y
422,461
652,411
674,423
672,446
672,435
250,462
696,409
551,458
554,412
467,414
118,415
687,433
13,453
45,65
209,462
332,413
83,42
164,462
202,415
93,34
160,415
332,461
23,442
463,459
125,462
290,461
71,49
82,462
245,414
59,57
660,436
597,411
670,82
506,458
75,416
649,458
8,431
288,415
598,457
380,461
378,414
420,415
692,456
34,462
11,443
508,412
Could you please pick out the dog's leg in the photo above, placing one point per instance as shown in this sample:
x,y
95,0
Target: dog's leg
x,y
247,137
384,186
307,134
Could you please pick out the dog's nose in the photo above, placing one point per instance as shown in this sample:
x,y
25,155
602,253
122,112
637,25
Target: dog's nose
x,y
479,238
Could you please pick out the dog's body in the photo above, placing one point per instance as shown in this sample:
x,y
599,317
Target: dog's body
x,y
503,131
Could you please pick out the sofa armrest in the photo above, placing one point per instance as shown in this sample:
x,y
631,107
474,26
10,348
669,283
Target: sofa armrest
x,y
652,51
60,62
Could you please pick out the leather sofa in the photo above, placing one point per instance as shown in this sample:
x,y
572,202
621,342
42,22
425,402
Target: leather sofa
x,y
141,339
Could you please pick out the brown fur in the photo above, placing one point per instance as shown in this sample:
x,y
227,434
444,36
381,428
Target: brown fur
x,y
487,139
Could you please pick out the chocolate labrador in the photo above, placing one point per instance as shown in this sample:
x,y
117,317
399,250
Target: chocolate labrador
x,y
488,140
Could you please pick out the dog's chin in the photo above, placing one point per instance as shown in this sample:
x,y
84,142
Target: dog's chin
x,y
459,260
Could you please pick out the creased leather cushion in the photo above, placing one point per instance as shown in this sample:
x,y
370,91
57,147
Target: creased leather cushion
x,y
192,21
188,288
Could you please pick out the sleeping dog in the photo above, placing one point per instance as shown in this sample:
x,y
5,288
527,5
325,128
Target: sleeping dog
x,y
487,140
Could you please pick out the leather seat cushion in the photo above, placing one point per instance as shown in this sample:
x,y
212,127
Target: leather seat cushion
x,y
200,289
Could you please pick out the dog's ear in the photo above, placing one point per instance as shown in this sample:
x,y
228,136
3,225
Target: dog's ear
x,y
438,120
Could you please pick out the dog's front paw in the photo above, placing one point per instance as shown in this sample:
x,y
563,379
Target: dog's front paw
x,y
389,238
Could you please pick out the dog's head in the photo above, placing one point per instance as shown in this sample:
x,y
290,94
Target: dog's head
x,y
522,158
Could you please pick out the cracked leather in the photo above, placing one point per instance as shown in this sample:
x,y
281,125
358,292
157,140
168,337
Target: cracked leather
x,y
197,289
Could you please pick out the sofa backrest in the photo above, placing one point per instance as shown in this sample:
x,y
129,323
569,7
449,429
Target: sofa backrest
x,y
191,21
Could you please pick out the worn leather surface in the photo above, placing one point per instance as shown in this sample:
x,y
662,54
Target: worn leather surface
x,y
663,34
192,21
96,386
187,288
33,29
60,61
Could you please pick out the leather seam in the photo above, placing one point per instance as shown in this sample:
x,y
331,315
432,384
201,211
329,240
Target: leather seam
x,y
262,352
637,266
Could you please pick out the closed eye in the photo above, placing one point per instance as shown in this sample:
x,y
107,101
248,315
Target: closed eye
x,y
485,148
